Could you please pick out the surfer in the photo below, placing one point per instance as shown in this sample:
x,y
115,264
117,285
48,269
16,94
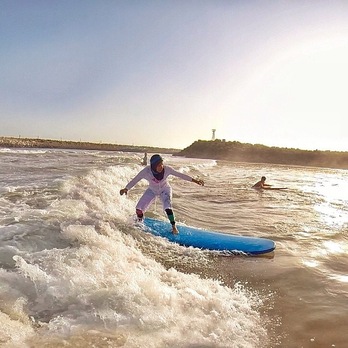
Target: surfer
x,y
156,174
144,161
261,184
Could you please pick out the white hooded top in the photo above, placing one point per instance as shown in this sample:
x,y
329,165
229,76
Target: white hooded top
x,y
156,185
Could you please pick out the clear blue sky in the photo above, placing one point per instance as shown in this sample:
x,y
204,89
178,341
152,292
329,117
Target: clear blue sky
x,y
165,73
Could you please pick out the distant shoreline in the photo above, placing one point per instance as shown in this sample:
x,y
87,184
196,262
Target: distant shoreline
x,y
235,151
218,150
12,142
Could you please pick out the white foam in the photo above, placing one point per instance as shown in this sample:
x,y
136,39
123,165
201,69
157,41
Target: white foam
x,y
22,151
109,278
105,282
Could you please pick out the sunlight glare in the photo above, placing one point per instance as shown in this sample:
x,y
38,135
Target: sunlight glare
x,y
333,247
311,263
301,87
340,278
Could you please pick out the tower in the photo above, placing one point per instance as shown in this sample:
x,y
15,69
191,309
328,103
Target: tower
x,y
213,135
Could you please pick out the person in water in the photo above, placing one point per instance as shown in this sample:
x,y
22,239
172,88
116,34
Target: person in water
x,y
261,184
156,174
144,162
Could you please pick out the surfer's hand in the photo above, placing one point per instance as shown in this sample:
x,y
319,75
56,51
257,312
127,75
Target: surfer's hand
x,y
198,182
123,191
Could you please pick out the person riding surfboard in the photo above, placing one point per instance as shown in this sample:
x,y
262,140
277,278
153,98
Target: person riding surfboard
x,y
156,174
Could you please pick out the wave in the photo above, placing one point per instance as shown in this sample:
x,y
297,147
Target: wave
x,y
99,274
22,151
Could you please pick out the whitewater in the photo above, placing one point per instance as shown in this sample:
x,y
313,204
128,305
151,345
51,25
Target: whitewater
x,y
75,271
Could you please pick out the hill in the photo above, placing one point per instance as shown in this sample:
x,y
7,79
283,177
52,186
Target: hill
x,y
243,152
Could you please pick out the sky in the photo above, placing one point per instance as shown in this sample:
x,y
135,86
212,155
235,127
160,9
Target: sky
x,y
166,73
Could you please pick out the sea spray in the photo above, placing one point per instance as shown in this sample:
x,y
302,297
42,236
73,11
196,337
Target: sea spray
x,y
107,280
106,284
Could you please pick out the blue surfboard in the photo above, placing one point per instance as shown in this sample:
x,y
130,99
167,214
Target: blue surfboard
x,y
203,239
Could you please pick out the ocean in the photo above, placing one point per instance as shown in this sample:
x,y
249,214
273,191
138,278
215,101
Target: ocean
x,y
76,272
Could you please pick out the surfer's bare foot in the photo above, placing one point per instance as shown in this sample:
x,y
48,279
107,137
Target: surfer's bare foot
x,y
174,230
